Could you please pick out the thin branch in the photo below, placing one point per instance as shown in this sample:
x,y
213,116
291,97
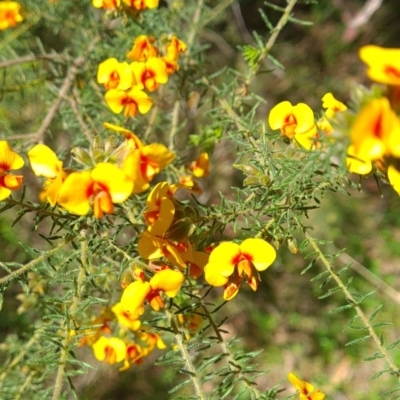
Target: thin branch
x,y
85,129
352,301
271,41
32,58
35,262
174,125
195,26
65,88
186,356
222,6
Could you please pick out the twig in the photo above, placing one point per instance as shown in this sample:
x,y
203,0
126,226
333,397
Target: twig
x,y
195,26
352,301
271,41
31,58
25,384
65,88
174,125
36,261
74,106
185,354
217,10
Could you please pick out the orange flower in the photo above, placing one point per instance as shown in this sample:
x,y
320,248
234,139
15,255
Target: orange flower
x,y
376,131
9,160
149,74
142,164
141,4
131,101
383,64
174,48
114,75
134,355
143,49
9,14
106,185
305,389
128,320
106,4
111,350
200,167
229,263
135,295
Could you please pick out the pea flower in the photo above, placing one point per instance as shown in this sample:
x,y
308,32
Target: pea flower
x,y
306,390
383,64
143,164
131,102
141,4
292,120
142,49
106,4
229,263
111,350
174,48
105,184
128,320
115,75
394,177
376,131
200,167
166,281
44,162
332,105
134,355
355,164
9,14
149,74
9,160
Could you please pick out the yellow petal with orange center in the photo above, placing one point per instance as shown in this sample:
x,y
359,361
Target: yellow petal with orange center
x,y
383,64
158,156
332,105
394,178
134,296
261,252
150,247
9,159
226,256
44,162
167,281
118,185
126,319
115,99
111,350
132,167
304,118
279,115
165,217
75,193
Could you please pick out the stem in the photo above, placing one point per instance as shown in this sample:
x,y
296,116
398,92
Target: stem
x,y
271,41
25,384
196,26
351,299
174,125
185,354
31,58
233,365
36,261
72,314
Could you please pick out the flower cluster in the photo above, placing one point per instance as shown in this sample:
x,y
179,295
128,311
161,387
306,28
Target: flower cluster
x,y
9,14
136,5
126,84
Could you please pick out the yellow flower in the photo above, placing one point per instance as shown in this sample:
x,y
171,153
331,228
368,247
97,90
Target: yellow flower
x,y
44,162
111,350
376,131
174,48
152,340
134,355
131,101
229,263
143,49
160,209
394,177
9,160
141,4
9,14
188,182
149,74
332,105
292,120
305,389
106,4
143,164
383,64
115,75
200,167
135,295
105,184
126,319
355,164
152,247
